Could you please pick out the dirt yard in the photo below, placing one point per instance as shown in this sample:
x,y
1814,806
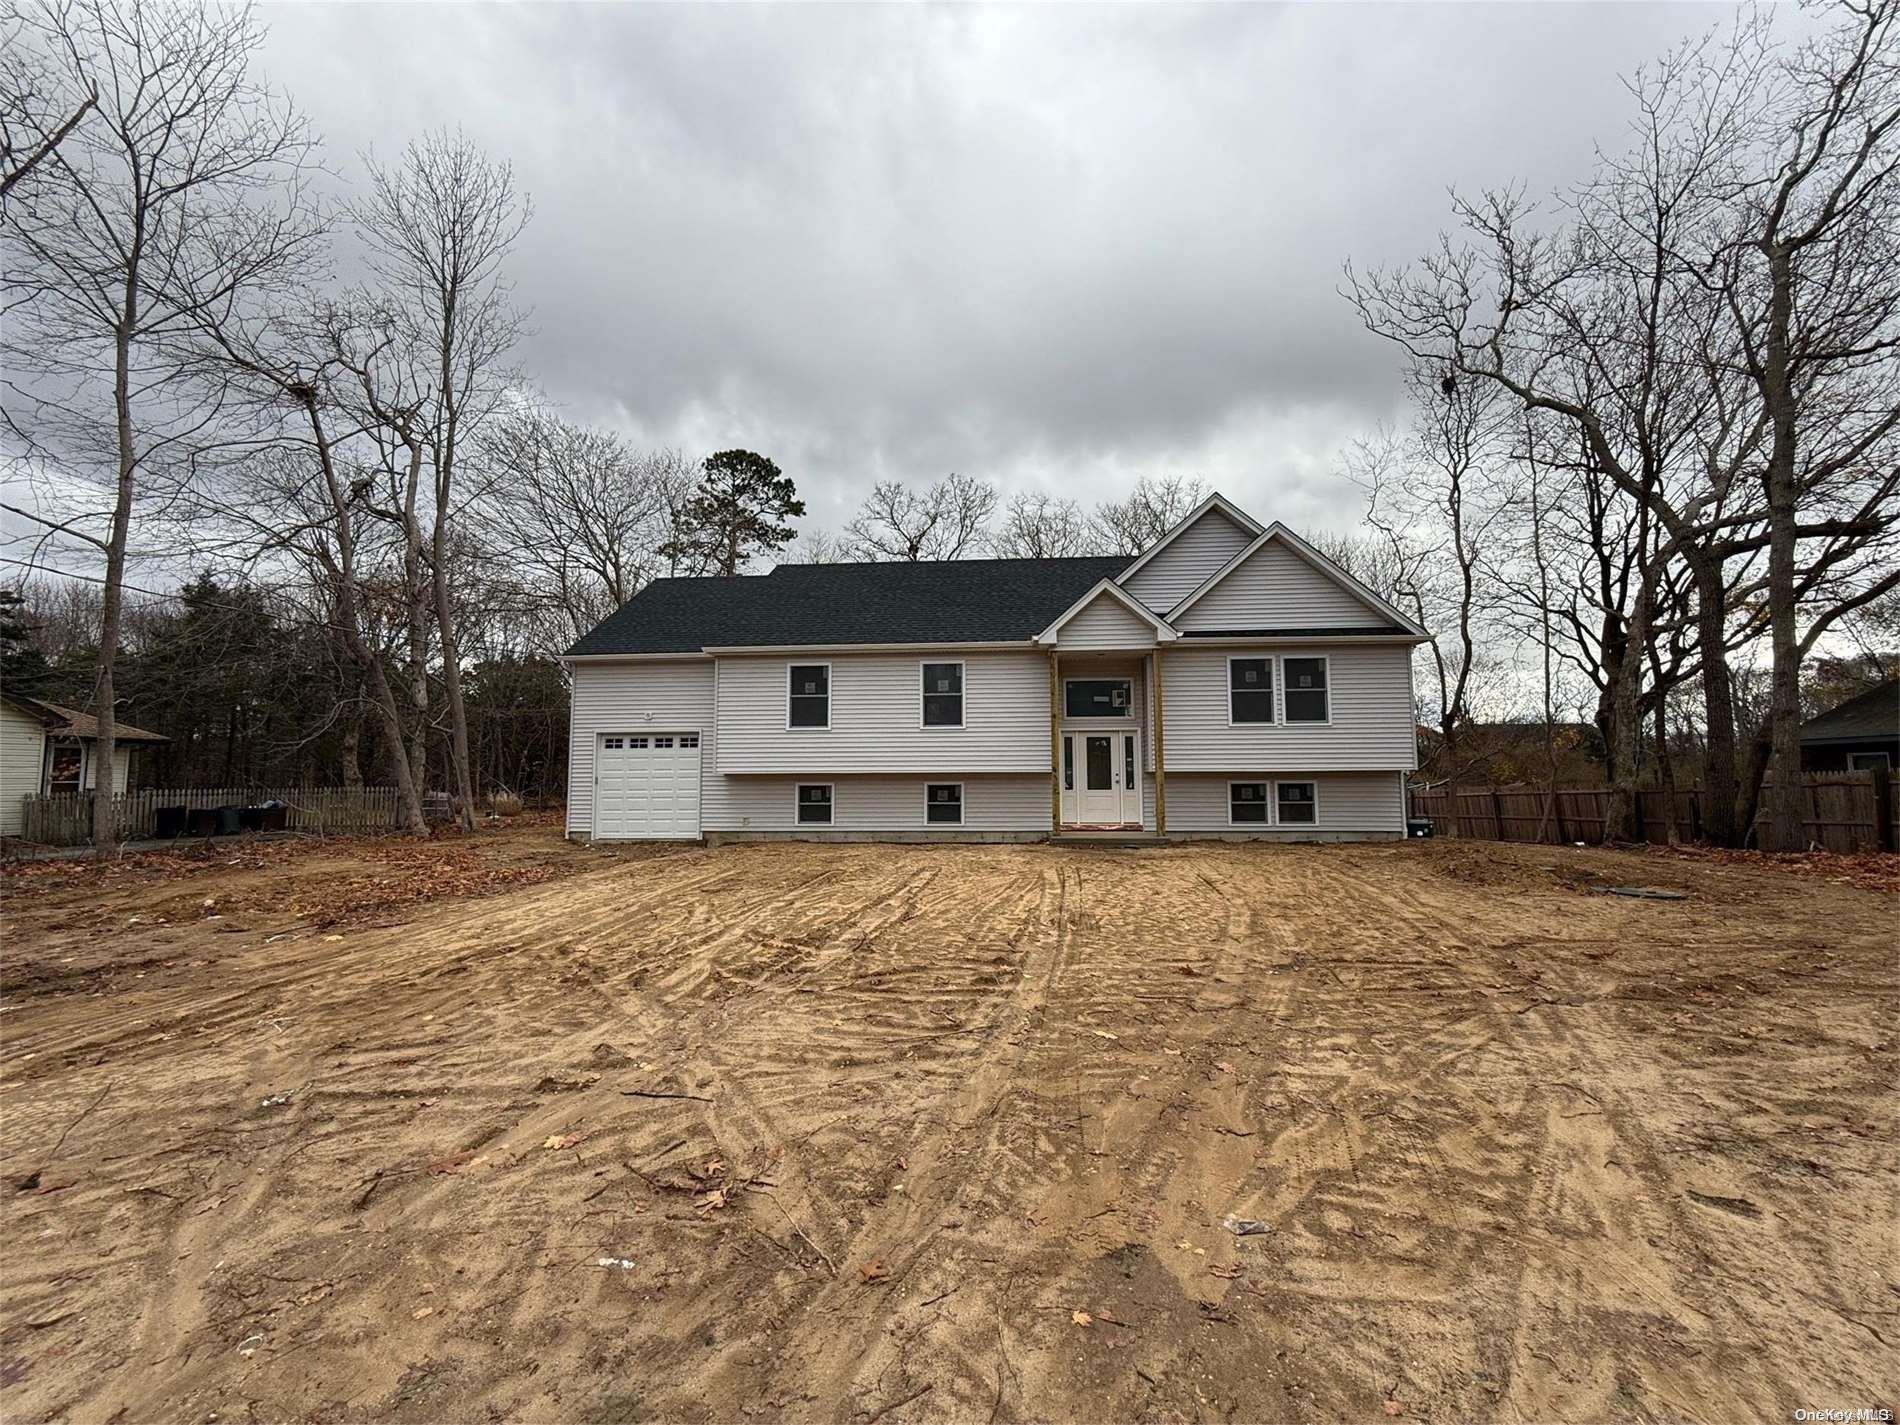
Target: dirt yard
x,y
513,1130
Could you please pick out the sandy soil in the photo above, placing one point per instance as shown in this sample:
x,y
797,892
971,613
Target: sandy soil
x,y
865,1133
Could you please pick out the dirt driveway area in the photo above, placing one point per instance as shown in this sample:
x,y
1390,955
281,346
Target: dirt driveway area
x,y
878,1133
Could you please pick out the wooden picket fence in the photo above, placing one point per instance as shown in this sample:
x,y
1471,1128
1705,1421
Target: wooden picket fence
x,y
66,819
1847,811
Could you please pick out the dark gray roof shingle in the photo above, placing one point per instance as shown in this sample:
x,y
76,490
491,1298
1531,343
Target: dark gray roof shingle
x,y
1874,714
960,601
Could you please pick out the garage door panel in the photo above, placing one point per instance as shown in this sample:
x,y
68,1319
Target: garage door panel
x,y
646,786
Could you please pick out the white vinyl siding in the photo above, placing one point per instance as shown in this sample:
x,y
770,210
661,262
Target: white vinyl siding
x,y
1017,803
874,717
1349,802
1369,697
1275,588
1197,552
639,698
22,750
1105,623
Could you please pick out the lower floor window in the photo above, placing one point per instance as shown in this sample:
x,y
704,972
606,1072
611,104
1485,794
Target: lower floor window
x,y
1246,801
1297,804
943,803
814,804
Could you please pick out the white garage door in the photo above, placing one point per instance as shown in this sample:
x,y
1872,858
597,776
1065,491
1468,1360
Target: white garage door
x,y
646,786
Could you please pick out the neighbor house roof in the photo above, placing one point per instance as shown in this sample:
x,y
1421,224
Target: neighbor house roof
x,y
796,605
1873,716
70,722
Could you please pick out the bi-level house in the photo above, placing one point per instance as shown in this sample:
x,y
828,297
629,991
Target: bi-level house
x,y
1230,681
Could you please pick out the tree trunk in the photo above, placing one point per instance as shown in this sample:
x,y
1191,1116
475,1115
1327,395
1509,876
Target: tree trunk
x,y
351,757
1626,723
105,830
349,619
452,679
1721,800
1782,828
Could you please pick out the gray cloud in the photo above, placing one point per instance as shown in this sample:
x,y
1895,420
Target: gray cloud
x,y
1057,247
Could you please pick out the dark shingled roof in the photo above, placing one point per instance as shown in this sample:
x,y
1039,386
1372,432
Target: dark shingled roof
x,y
959,601
1872,716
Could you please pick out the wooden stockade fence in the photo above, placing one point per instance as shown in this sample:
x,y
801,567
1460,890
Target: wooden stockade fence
x,y
66,820
1847,811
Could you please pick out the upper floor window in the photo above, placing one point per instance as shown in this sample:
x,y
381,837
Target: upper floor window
x,y
943,694
810,695
1250,690
1097,697
1306,695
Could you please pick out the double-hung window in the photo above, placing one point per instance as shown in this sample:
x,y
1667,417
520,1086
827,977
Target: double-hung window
x,y
943,803
1295,804
1249,690
1247,802
1306,694
943,694
808,698
814,804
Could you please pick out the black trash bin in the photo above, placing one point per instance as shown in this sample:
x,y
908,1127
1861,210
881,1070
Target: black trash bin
x,y
1419,826
251,818
228,821
170,822
273,816
201,821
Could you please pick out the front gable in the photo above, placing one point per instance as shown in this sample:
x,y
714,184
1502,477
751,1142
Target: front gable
x,y
1188,554
1280,584
1107,616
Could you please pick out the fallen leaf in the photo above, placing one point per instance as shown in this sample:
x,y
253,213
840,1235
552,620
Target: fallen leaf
x,y
564,1140
1392,1407
713,1200
874,1271
1225,1067
333,937
1104,1034
1230,1271
450,1164
1081,1318
422,1311
1190,1247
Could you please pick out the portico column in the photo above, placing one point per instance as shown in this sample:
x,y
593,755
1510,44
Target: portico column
x,y
1055,746
1161,753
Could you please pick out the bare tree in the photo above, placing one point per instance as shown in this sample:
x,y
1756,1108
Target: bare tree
x,y
37,108
1040,526
950,520
178,203
439,225
1156,505
1813,283
581,514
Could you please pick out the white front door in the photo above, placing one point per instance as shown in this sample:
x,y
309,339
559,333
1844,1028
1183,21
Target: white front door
x,y
646,786
1101,779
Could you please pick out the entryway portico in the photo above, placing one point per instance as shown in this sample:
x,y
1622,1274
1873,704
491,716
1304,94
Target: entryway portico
x,y
1107,753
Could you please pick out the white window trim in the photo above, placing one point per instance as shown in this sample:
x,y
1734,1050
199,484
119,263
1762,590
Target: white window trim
x,y
928,823
1273,672
1270,803
798,802
1280,691
1128,716
830,692
1886,762
1312,782
963,695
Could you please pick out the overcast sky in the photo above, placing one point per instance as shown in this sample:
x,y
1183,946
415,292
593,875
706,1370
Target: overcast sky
x,y
1055,247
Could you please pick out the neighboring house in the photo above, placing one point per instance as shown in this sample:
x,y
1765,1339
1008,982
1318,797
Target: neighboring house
x,y
1860,735
47,749
1230,681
